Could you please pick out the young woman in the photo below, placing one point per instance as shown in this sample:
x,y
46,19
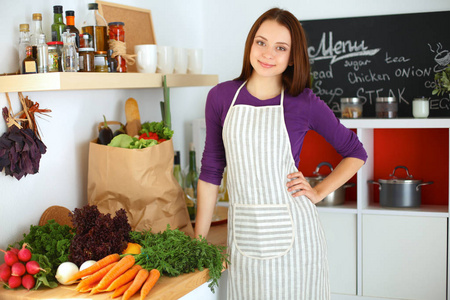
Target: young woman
x,y
255,126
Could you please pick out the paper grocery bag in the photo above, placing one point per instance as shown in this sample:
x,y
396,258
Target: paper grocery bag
x,y
140,181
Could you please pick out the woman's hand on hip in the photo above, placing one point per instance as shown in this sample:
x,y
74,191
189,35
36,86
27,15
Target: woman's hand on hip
x,y
299,186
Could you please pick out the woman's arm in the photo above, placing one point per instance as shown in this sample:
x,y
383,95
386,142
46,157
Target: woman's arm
x,y
206,202
340,175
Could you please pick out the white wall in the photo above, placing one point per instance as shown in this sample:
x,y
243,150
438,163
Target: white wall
x,y
220,27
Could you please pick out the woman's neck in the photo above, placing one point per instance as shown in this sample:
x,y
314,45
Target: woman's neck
x,y
264,88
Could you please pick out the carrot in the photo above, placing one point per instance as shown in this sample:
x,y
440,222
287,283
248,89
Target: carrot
x,y
95,267
121,289
136,285
124,278
121,267
96,277
88,288
149,283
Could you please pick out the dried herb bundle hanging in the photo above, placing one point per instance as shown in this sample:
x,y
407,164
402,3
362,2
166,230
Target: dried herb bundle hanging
x,y
20,148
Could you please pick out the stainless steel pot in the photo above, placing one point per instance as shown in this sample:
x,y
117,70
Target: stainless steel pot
x,y
335,198
400,192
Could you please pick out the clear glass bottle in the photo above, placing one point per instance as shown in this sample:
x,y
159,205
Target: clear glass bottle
x,y
190,184
29,63
177,169
42,55
69,53
58,26
36,32
70,24
24,42
95,25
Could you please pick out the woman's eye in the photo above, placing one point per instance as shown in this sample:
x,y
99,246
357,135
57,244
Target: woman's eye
x,y
281,48
260,43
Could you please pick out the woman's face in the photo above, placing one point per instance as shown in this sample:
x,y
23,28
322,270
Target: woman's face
x,y
271,49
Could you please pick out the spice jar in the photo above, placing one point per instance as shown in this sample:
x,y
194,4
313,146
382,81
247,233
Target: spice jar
x,y
117,44
386,107
420,107
100,61
54,56
86,62
351,108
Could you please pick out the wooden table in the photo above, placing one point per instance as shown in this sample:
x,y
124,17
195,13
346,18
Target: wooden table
x,y
166,288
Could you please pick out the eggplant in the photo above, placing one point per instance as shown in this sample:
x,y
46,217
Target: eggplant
x,y
121,130
105,135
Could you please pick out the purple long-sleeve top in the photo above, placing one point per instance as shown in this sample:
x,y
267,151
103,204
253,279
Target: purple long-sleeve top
x,y
301,114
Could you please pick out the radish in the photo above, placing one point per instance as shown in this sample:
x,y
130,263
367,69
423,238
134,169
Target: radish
x,y
24,253
28,281
14,281
18,269
33,267
14,250
10,257
5,272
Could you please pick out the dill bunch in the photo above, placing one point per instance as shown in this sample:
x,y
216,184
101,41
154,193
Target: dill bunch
x,y
173,253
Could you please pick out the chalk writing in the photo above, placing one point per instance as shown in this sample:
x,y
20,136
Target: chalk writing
x,y
413,72
400,59
356,64
354,78
333,50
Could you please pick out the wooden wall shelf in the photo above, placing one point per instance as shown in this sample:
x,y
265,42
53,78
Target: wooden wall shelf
x,y
60,81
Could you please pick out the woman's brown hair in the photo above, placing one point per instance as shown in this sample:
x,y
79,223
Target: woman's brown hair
x,y
296,77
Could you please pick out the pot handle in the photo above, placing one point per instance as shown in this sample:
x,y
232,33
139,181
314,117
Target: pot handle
x,y
350,184
401,167
423,183
316,172
375,182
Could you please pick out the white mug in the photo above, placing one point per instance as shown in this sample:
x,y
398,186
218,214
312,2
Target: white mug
x,y
195,61
180,60
165,60
146,58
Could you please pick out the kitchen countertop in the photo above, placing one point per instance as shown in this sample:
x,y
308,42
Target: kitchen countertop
x,y
166,288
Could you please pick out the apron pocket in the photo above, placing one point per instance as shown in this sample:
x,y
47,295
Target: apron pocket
x,y
263,231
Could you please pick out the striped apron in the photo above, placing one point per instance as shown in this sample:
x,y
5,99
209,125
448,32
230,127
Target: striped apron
x,y
275,241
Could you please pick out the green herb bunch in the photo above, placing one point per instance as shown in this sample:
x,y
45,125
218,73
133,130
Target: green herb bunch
x,y
49,245
442,80
173,253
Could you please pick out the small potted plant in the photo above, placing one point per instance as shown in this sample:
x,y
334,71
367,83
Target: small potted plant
x,y
442,80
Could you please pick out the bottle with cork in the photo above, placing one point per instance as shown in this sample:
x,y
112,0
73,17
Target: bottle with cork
x,y
24,42
36,33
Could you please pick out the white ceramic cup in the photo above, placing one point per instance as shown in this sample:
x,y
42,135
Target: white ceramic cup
x,y
165,60
195,61
146,58
180,60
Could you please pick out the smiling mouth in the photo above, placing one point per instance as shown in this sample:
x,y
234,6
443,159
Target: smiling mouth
x,y
264,65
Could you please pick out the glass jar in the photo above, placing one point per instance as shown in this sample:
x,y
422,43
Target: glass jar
x,y
54,56
386,107
86,62
351,108
420,107
117,44
100,61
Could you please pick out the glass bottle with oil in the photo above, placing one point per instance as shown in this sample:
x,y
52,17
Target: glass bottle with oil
x,y
95,25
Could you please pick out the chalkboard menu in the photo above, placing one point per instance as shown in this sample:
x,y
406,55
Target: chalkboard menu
x,y
380,56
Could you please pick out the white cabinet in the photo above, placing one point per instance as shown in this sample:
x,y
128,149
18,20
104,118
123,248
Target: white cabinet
x,y
404,257
401,253
340,234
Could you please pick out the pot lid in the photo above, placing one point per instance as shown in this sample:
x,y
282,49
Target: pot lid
x,y
395,180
